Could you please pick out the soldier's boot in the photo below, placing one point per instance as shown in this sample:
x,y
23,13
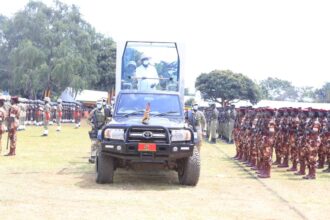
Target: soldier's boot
x,y
285,163
327,170
11,152
58,128
91,159
45,133
294,166
311,173
278,160
265,173
239,156
236,156
253,163
302,169
321,163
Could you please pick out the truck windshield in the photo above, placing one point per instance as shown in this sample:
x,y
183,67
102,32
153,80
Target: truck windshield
x,y
150,66
160,104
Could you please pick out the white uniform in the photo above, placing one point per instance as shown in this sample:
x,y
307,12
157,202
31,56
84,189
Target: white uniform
x,y
151,74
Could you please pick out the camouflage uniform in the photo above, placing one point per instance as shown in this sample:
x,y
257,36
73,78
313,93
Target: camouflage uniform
x,y
98,119
214,124
198,122
2,120
13,117
326,140
268,132
313,145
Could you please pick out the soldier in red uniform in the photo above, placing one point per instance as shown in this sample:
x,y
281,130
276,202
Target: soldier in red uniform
x,y
13,117
313,144
2,119
268,133
326,139
77,115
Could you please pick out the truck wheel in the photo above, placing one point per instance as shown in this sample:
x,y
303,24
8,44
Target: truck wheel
x,y
189,169
104,168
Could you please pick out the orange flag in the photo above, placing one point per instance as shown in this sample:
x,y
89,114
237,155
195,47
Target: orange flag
x,y
146,116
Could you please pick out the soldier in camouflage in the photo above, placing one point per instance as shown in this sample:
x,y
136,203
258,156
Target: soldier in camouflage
x,y
3,115
13,122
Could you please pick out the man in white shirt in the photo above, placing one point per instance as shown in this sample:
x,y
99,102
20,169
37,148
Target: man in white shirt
x,y
146,75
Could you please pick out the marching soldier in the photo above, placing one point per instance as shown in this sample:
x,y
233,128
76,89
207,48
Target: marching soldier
x,y
47,110
2,119
77,114
214,123
59,113
13,122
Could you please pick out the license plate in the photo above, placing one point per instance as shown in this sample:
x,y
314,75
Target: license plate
x,y
147,147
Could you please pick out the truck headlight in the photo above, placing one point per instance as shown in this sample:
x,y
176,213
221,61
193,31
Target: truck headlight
x,y
181,135
114,133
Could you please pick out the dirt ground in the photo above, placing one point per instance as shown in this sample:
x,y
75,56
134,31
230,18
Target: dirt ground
x,y
50,178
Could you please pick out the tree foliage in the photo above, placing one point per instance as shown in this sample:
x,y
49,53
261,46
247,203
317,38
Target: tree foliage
x,y
53,48
226,87
323,94
277,89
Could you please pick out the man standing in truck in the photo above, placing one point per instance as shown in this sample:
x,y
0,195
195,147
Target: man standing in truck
x,y
146,75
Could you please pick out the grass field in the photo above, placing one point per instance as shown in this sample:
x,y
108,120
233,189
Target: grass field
x,y
50,178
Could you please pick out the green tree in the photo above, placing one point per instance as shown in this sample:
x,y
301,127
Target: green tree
x,y
323,94
226,87
65,51
277,89
189,102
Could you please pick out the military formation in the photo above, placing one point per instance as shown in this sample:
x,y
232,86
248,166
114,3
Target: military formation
x,y
300,137
17,113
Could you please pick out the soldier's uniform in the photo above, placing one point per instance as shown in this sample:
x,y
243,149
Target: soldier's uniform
x,y
293,138
13,122
326,140
77,115
3,116
98,119
214,124
197,120
47,111
268,132
59,114
313,145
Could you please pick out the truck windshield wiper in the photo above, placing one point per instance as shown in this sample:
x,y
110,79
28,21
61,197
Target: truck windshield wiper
x,y
133,113
166,113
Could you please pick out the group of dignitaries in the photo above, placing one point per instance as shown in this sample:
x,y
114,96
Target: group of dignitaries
x,y
301,136
17,113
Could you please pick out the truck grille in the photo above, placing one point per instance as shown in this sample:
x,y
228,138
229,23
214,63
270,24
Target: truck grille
x,y
147,134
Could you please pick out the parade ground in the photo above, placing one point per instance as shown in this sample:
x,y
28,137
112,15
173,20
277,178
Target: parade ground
x,y
50,178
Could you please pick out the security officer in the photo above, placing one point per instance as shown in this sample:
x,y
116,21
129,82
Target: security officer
x,y
197,121
47,110
214,123
97,119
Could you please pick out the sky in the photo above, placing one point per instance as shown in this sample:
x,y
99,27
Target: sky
x,y
287,39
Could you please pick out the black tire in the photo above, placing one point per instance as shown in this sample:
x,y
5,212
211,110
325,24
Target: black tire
x,y
104,169
189,169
